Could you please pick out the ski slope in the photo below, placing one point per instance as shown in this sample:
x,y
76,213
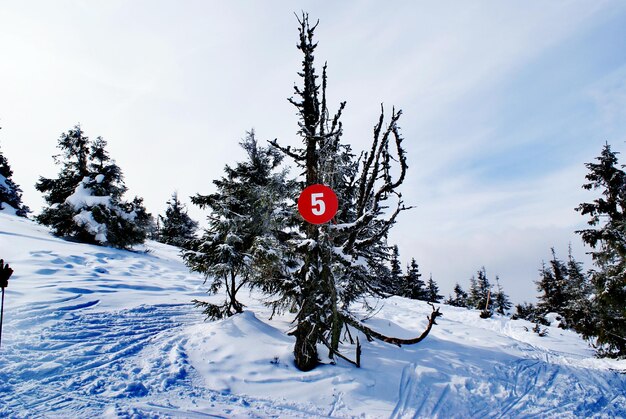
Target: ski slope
x,y
92,331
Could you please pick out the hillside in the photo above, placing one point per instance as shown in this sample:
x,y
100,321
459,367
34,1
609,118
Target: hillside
x,y
92,331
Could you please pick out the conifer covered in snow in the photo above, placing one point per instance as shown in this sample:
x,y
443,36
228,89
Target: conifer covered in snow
x,y
176,228
241,217
338,263
552,285
10,193
86,199
566,290
578,310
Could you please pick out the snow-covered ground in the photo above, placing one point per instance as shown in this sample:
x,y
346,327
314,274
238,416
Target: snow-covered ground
x,y
92,331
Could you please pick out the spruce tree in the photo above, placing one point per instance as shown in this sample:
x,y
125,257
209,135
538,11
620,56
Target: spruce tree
x,y
528,311
86,199
501,301
460,298
340,263
607,238
479,292
552,285
73,160
394,286
176,228
578,309
473,295
413,286
240,219
432,291
10,192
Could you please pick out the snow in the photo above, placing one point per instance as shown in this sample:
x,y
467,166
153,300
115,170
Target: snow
x,y
82,200
82,196
7,209
93,331
85,218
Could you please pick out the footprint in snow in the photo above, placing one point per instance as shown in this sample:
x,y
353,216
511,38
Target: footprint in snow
x,y
46,271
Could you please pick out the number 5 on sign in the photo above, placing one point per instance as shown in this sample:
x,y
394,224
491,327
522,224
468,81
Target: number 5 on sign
x,y
318,204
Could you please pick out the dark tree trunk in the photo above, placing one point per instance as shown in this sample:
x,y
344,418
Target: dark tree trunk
x,y
307,333
305,350
234,304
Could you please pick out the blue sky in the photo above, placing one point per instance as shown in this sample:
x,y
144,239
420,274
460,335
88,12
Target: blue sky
x,y
503,104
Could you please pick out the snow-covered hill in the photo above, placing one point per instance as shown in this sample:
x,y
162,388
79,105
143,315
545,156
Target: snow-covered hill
x,y
92,331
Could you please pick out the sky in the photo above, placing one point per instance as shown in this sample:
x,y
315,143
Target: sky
x,y
503,104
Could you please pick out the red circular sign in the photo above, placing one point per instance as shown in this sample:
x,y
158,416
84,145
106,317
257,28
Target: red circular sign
x,y
318,204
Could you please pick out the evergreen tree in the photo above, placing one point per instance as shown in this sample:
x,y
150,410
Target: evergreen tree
x,y
240,216
553,284
524,311
460,298
176,228
339,263
528,311
395,283
85,200
501,301
472,293
73,160
607,237
432,291
578,309
479,292
413,286
10,193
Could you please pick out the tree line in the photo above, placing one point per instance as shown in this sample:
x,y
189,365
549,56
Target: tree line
x,y
255,238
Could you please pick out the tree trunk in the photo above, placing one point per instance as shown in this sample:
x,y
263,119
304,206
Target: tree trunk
x,y
305,350
234,304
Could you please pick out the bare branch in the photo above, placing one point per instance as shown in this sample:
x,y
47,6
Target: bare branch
x,y
286,150
393,340
356,363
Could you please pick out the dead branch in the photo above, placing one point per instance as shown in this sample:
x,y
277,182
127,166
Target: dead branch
x,y
369,333
286,150
356,363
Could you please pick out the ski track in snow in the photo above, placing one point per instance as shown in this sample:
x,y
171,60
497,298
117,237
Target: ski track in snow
x,y
93,347
98,332
524,388
130,363
84,355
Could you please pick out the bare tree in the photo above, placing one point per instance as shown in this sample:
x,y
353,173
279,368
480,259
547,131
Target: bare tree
x,y
345,260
